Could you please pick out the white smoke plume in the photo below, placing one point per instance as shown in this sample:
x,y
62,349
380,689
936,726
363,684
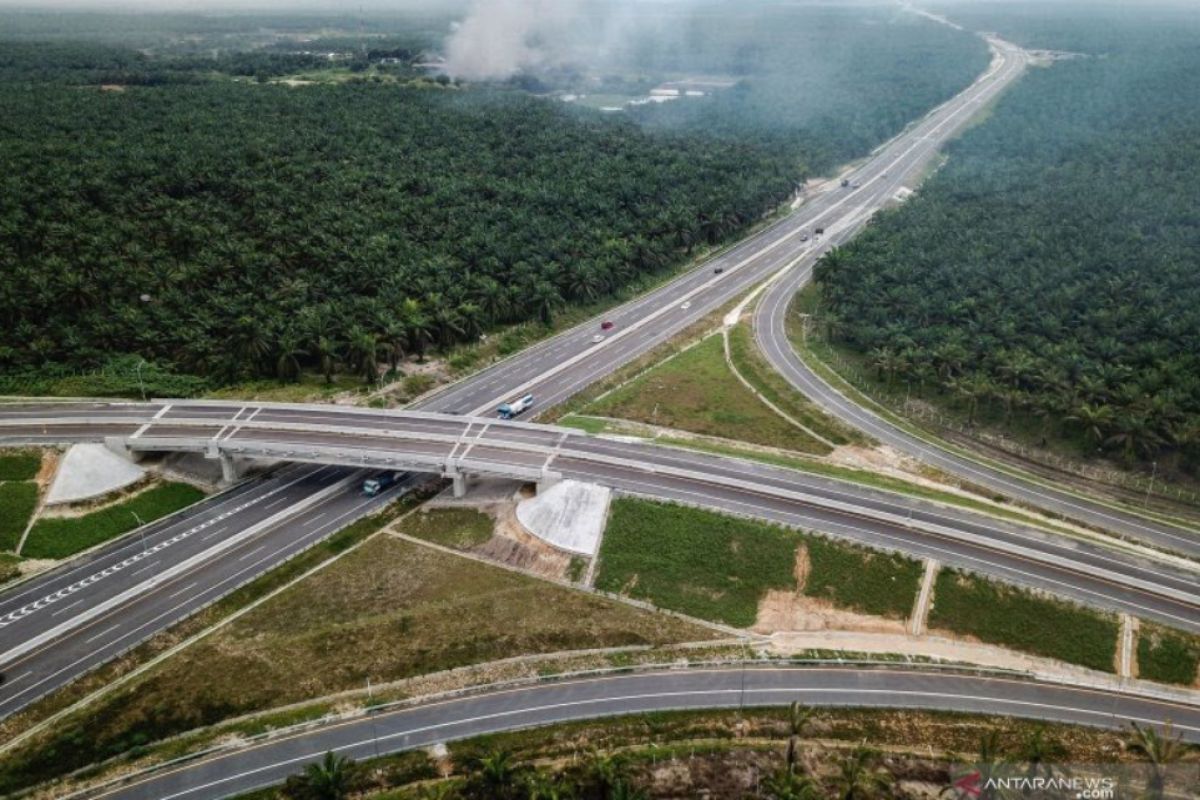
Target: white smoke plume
x,y
500,38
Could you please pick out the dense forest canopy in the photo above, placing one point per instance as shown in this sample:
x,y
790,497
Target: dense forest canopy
x,y
229,228
1052,267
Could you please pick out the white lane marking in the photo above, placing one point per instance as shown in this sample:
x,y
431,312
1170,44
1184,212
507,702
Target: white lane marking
x,y
618,700
316,519
112,569
181,591
109,629
143,569
247,555
65,609
25,674
217,532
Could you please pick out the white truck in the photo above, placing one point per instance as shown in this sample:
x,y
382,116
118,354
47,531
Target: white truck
x,y
515,408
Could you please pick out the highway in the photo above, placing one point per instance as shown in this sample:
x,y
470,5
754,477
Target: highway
x,y
452,444
66,622
557,368
422,725
554,370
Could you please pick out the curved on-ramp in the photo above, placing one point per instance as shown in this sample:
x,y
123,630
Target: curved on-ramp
x,y
420,725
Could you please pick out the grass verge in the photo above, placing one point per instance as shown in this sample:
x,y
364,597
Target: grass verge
x,y
774,387
719,567
1167,655
1006,615
64,536
389,610
19,465
17,503
695,391
456,528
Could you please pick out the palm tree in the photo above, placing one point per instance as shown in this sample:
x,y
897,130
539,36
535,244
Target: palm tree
x,y
326,351
798,719
786,785
494,776
1040,748
605,773
1135,436
329,779
859,777
546,301
363,348
287,363
1094,419
1158,750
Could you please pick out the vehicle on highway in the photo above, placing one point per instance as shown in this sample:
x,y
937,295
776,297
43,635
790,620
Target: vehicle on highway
x,y
686,305
515,408
598,338
718,270
803,236
819,232
373,486
606,325
845,183
855,185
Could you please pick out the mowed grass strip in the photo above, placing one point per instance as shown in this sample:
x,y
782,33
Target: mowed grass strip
x,y
17,503
708,565
695,391
389,610
1167,655
65,536
719,567
19,465
456,528
863,580
744,354
1018,618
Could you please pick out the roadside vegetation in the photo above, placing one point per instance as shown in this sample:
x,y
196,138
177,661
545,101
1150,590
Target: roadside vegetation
x,y
996,613
17,503
1066,314
752,366
231,256
59,537
456,528
19,465
695,391
718,567
1167,655
387,611
767,753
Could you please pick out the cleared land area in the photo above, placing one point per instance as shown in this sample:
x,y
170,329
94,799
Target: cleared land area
x,y
1167,655
59,537
995,613
720,568
695,391
386,611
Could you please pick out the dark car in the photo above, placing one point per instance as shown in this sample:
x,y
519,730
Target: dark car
x,y
606,326
718,270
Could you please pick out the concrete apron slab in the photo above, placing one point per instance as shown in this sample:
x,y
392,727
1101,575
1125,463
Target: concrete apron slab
x,y
570,516
88,471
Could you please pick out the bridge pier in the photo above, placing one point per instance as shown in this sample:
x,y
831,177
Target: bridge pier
x,y
459,487
118,445
229,470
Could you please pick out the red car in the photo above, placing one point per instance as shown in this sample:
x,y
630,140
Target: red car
x,y
606,326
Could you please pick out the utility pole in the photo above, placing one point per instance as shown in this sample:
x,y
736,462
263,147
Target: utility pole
x,y
1149,486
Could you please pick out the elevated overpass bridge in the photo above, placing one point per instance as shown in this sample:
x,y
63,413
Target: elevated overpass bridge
x,y
460,446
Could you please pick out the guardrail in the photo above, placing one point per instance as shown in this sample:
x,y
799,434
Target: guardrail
x,y
1133,691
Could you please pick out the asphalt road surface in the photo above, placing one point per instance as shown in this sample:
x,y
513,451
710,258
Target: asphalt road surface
x,y
430,723
1085,570
64,623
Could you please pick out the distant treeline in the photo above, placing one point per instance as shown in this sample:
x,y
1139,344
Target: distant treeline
x,y
229,230
1052,268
